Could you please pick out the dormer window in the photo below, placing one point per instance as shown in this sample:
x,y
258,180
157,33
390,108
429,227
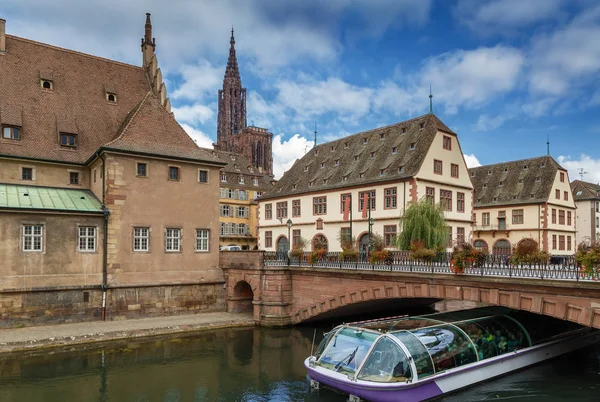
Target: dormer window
x,y
520,181
68,140
365,140
223,178
355,157
294,186
346,144
11,133
316,152
412,146
322,165
531,195
472,174
337,162
310,184
403,130
501,183
372,154
361,175
345,178
524,167
324,181
110,97
505,170
489,172
332,148
381,172
306,168
242,181
48,85
394,150
543,164
421,126
485,186
538,179
381,136
255,181
401,169
495,199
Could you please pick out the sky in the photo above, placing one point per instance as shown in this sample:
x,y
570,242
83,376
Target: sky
x,y
506,75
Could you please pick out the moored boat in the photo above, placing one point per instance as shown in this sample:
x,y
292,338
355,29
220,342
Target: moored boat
x,y
419,358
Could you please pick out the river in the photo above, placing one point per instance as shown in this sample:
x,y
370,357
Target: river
x,y
245,365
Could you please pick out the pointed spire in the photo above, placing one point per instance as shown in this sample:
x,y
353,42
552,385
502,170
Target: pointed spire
x,y
232,70
148,39
548,143
232,40
430,100
315,134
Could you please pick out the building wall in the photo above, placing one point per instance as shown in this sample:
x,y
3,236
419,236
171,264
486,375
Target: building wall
x,y
44,174
159,203
244,241
588,220
60,263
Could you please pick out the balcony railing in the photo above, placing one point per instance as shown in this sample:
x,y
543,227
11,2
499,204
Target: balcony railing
x,y
558,268
489,228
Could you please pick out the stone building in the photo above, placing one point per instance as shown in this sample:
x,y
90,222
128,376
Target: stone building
x,y
107,206
392,166
529,198
233,134
587,201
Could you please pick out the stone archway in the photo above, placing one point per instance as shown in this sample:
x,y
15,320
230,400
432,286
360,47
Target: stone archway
x,y
242,298
319,242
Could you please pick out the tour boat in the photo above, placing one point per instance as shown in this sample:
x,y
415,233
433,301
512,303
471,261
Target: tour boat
x,y
419,358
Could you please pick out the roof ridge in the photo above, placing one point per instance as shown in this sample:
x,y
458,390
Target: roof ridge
x,y
514,161
91,56
135,111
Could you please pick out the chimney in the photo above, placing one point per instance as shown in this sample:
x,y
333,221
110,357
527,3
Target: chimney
x,y
2,36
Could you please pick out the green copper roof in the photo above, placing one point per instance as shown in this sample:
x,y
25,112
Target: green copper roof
x,y
47,198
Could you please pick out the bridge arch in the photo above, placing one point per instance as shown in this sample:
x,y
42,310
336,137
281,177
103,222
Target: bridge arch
x,y
241,302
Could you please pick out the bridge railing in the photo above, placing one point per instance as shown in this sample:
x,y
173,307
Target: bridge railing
x,y
558,268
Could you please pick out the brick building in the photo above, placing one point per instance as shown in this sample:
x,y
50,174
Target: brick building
x,y
105,201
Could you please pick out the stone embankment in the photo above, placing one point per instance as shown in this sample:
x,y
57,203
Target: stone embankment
x,y
61,335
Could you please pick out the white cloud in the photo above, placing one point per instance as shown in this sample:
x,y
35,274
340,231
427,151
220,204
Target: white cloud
x,y
486,122
193,114
471,160
590,166
201,139
285,153
199,80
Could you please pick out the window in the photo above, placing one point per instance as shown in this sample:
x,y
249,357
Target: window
x,y
343,198
437,166
282,210
242,212
561,217
568,243
87,239
345,238
460,235
141,239
449,236
74,177
566,197
365,140
517,216
94,174
111,97
569,218
202,237
172,239
371,197
421,126
485,218
68,140
255,181
597,222
226,210
268,211
561,242
173,173
597,206
460,202
319,205
296,211
557,194
337,162
562,177
203,176
448,143
389,235
11,133
394,150
26,173
33,237
412,146
296,236
141,170
554,242
446,200
554,215
430,195
403,130
268,238
454,170
46,84
223,178
391,198
319,224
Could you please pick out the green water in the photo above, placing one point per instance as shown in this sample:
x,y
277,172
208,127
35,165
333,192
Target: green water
x,y
244,365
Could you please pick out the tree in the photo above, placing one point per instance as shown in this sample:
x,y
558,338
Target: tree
x,y
423,223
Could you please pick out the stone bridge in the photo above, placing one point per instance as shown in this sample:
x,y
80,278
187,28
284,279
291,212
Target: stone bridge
x,y
283,295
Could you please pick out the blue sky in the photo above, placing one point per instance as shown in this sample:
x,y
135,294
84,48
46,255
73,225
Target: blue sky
x,y
505,74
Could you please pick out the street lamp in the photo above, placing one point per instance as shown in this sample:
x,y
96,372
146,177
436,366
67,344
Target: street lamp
x,y
371,222
289,226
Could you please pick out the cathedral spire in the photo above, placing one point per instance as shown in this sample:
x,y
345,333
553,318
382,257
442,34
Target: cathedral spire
x,y
232,70
148,39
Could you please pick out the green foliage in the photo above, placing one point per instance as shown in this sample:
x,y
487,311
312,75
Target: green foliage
x,y
349,252
423,222
588,259
419,252
527,251
377,242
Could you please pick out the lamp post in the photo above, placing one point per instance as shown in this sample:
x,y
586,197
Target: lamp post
x,y
289,226
371,222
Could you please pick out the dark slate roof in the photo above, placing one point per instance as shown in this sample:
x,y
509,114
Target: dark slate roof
x,y
526,181
589,191
351,161
238,165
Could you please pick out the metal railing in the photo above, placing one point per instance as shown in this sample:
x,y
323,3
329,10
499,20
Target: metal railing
x,y
558,268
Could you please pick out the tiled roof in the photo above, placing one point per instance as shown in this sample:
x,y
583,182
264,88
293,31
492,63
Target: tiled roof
x,y
525,181
589,191
364,158
150,129
48,198
238,165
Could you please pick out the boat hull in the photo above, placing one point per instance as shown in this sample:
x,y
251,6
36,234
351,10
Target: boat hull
x,y
450,380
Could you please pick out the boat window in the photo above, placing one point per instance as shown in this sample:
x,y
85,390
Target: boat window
x,y
386,363
347,350
324,342
448,346
418,352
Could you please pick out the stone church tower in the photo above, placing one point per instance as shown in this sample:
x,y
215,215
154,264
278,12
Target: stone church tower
x,y
233,134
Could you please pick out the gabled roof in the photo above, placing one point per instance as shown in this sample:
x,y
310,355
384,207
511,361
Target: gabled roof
x,y
20,197
583,190
150,129
365,158
525,181
238,165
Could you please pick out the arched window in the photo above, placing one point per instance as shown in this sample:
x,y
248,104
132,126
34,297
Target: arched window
x,y
480,245
319,242
265,156
259,154
501,247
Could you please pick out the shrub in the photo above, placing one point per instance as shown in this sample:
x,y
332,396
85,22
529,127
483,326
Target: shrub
x,y
527,252
317,255
379,256
298,250
466,256
587,258
349,254
418,251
